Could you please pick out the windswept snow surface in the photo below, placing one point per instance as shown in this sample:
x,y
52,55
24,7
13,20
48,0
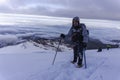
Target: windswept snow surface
x,y
28,62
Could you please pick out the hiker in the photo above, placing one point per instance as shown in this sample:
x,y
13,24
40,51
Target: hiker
x,y
108,46
78,35
99,49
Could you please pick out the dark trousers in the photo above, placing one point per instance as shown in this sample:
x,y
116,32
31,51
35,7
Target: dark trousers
x,y
78,54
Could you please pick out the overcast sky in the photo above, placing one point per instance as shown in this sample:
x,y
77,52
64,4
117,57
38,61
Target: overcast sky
x,y
100,9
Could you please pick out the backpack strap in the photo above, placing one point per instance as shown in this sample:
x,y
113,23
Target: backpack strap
x,y
85,33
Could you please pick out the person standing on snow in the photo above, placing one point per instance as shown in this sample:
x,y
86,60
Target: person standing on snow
x,y
78,35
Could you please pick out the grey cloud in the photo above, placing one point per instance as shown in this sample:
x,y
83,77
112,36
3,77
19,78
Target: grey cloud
x,y
100,9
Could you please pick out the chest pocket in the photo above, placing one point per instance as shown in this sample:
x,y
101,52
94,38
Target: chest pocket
x,y
77,35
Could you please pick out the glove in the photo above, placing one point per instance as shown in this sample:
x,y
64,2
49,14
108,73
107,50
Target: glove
x,y
84,45
62,36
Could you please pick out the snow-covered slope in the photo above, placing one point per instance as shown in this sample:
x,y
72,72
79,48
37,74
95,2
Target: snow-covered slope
x,y
31,61
28,62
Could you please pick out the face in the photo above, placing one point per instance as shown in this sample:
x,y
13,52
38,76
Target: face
x,y
75,23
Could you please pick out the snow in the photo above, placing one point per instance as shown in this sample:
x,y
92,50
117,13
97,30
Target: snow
x,y
28,62
31,61
17,62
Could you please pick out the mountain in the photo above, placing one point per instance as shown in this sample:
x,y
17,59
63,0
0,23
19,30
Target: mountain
x,y
28,46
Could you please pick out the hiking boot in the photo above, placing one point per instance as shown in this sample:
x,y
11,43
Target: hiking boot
x,y
73,62
79,65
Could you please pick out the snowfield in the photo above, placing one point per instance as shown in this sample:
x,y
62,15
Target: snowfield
x,y
31,61
28,62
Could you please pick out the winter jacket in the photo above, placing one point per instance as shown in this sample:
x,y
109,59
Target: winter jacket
x,y
85,34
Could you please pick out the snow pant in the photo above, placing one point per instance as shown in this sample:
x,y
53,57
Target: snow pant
x,y
78,54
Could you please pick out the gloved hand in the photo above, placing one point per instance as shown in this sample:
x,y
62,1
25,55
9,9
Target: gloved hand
x,y
62,36
84,45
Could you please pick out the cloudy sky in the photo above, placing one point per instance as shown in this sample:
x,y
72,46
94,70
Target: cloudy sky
x,y
100,9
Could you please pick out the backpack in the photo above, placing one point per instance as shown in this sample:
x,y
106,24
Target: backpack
x,y
87,32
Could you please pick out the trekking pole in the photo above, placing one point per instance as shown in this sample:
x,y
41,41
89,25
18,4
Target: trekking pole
x,y
84,58
56,51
